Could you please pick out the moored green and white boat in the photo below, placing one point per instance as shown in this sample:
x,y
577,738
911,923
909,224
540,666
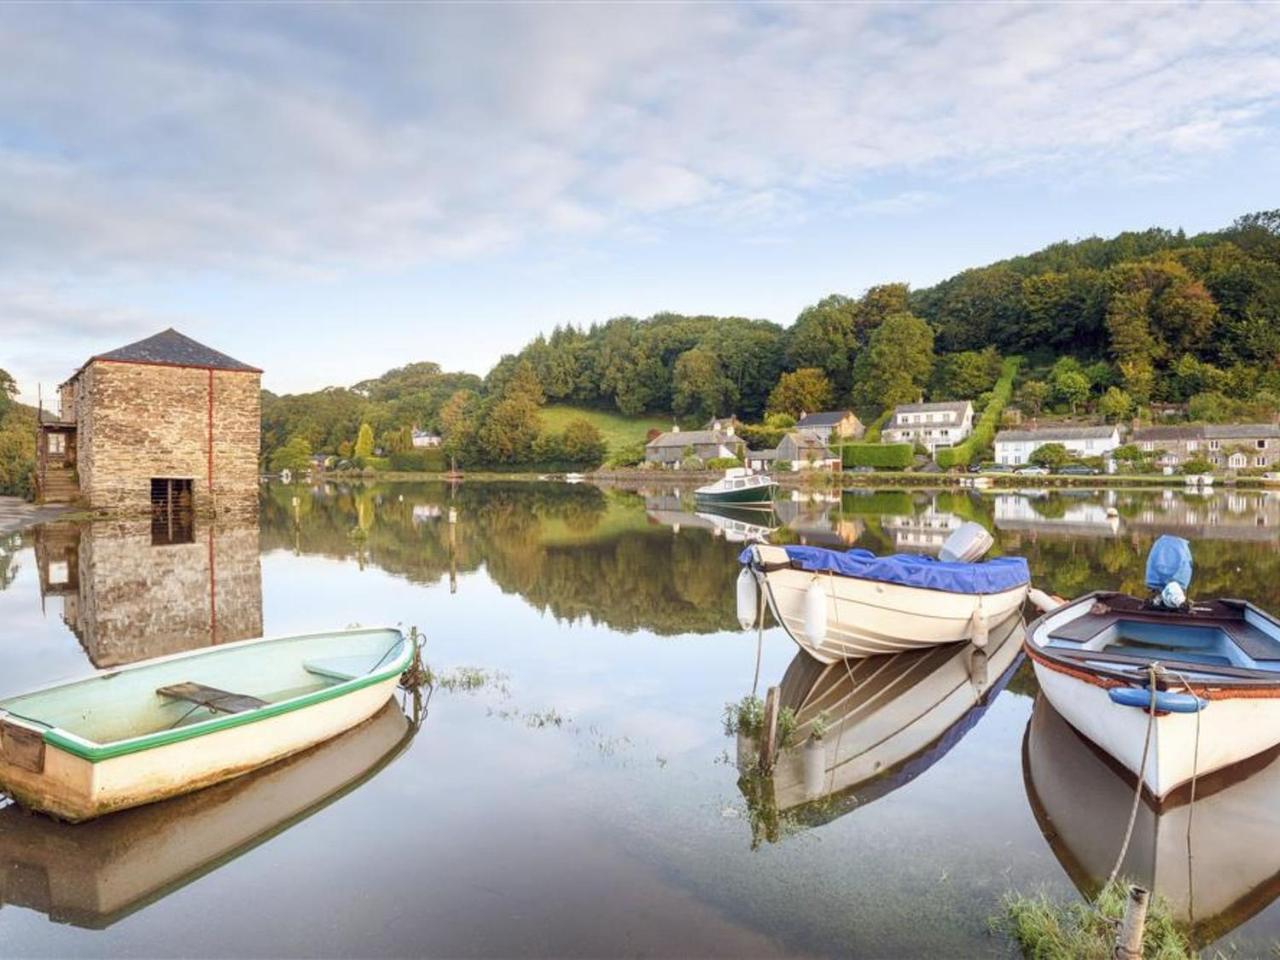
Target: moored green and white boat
x,y
164,727
740,487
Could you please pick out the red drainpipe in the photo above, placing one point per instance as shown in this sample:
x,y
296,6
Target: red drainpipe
x,y
211,436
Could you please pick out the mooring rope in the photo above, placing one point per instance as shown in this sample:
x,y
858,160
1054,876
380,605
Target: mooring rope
x,y
1191,803
1142,772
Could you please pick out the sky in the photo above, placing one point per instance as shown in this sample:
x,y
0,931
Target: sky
x,y
330,191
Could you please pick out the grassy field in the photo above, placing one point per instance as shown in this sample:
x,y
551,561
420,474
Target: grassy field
x,y
618,430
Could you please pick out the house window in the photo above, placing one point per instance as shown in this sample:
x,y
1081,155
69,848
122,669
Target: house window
x,y
57,443
1215,444
1148,446
1259,461
1262,444
1192,446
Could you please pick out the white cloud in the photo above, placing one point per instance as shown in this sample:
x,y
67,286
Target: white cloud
x,y
165,141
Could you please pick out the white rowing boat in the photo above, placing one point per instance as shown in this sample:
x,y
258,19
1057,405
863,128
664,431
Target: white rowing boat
x,y
164,727
839,605
1217,689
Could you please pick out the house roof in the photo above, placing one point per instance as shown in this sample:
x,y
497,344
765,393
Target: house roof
x,y
690,438
825,418
806,440
1050,434
171,348
1209,431
958,407
711,424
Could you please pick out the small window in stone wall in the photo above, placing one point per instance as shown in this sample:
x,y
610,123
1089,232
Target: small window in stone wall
x,y
172,511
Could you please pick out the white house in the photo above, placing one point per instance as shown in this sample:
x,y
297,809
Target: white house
x,y
1014,447
932,425
421,438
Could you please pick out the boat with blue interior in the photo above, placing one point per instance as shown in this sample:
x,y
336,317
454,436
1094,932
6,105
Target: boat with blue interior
x,y
1172,689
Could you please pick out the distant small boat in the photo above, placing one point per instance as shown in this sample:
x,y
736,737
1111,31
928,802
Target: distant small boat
x,y
1217,697
738,486
846,604
574,478
165,727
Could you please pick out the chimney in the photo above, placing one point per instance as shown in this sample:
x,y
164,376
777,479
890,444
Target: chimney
x,y
729,428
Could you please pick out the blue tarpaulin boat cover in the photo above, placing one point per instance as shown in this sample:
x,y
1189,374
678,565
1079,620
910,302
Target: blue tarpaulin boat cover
x,y
990,576
1169,562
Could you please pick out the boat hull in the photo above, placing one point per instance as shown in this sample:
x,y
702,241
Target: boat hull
x,y
1230,730
866,618
758,495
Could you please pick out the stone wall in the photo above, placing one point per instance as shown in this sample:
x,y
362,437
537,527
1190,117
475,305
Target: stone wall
x,y
133,600
139,421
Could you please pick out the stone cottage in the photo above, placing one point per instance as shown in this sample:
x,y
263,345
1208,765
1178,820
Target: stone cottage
x,y
669,449
164,421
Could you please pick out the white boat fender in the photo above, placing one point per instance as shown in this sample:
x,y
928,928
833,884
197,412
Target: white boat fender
x,y
978,673
748,598
979,629
815,612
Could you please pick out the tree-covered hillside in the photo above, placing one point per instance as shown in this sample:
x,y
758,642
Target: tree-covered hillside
x,y
1106,327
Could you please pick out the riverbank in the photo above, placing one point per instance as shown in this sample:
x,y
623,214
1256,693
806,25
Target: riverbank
x,y
632,479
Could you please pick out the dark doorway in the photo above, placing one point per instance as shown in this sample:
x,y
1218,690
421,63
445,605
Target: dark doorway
x,y
172,511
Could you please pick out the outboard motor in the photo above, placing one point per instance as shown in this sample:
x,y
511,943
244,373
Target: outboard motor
x,y
1169,571
967,544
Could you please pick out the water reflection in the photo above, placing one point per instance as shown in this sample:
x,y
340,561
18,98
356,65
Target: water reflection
x,y
1217,861
127,596
887,719
97,873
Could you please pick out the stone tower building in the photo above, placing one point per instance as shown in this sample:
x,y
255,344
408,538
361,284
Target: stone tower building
x,y
165,422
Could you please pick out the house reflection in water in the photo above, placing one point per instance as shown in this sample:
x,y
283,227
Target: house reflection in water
x,y
133,589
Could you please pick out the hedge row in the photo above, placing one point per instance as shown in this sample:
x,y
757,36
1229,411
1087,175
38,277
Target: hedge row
x,y
882,456
427,460
984,432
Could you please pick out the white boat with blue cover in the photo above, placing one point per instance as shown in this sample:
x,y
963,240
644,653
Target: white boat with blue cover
x,y
840,605
164,727
1216,666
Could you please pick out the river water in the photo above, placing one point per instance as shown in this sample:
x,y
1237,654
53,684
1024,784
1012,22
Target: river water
x,y
568,788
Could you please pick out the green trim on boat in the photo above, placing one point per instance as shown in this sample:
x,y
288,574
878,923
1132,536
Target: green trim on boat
x,y
94,752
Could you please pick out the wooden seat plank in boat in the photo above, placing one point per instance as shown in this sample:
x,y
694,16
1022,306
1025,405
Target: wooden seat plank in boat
x,y
339,668
220,701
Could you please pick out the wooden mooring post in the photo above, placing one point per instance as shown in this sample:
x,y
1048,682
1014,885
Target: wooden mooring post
x,y
769,730
1129,936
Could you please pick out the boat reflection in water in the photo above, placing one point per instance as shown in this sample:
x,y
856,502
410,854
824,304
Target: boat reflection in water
x,y
1227,872
94,874
739,524
889,718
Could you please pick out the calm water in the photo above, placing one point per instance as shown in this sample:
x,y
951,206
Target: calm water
x,y
579,796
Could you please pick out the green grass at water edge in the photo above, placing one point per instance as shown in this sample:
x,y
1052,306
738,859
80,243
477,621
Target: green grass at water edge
x,y
619,431
1046,929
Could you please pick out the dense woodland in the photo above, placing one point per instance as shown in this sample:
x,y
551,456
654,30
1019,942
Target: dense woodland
x,y
1106,328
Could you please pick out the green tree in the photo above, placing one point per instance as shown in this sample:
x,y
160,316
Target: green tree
x,y
508,430
896,364
700,388
965,375
583,443
1071,387
1050,455
294,456
8,390
825,336
364,442
1033,395
1115,404
802,391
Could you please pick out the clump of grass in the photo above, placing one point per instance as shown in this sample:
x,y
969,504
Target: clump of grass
x,y
745,717
1047,929
470,679
787,726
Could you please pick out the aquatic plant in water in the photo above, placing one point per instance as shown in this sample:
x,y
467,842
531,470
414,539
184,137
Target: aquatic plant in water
x,y
1047,929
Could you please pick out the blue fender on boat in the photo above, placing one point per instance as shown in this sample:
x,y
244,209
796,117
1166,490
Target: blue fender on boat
x,y
1167,701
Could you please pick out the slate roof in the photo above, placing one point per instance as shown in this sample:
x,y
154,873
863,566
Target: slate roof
x,y
171,348
691,438
802,442
825,418
1051,434
1209,431
957,407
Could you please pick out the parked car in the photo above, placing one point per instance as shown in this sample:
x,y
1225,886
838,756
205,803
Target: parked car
x,y
1032,472
993,468
1079,470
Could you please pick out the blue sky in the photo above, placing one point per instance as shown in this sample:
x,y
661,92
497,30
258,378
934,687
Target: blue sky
x,y
329,191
